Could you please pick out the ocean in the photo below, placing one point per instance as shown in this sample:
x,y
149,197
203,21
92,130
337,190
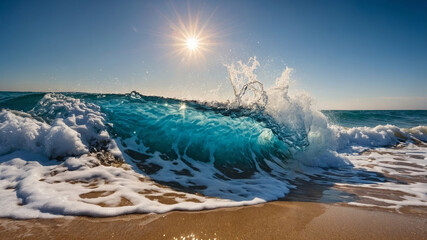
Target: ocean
x,y
101,155
373,118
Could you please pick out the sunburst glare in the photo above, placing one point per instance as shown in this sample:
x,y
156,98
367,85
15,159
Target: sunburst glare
x,y
191,37
192,43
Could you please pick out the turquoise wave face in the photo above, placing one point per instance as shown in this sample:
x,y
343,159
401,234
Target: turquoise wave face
x,y
237,143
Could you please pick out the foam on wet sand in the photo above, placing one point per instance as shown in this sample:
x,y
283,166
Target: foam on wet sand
x,y
274,220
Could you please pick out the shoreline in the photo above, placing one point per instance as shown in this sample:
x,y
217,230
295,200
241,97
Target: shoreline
x,y
273,220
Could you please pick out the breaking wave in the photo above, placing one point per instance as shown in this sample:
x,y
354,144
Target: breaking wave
x,y
137,150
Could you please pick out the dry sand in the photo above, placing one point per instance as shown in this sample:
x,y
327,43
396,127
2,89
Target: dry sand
x,y
275,220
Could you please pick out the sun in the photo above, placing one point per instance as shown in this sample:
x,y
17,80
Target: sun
x,y
192,38
192,43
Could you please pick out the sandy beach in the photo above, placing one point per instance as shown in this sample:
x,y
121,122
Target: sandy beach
x,y
274,220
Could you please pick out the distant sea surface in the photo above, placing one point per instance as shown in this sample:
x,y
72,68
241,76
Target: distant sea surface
x,y
372,118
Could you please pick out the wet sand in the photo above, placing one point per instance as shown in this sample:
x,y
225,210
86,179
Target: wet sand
x,y
274,220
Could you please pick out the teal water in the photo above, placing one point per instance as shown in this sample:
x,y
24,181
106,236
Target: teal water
x,y
236,143
372,118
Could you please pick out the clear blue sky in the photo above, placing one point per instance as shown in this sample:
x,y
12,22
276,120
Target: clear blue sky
x,y
346,54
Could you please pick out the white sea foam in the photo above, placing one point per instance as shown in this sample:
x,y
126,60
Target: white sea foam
x,y
379,136
74,128
25,133
40,189
404,170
